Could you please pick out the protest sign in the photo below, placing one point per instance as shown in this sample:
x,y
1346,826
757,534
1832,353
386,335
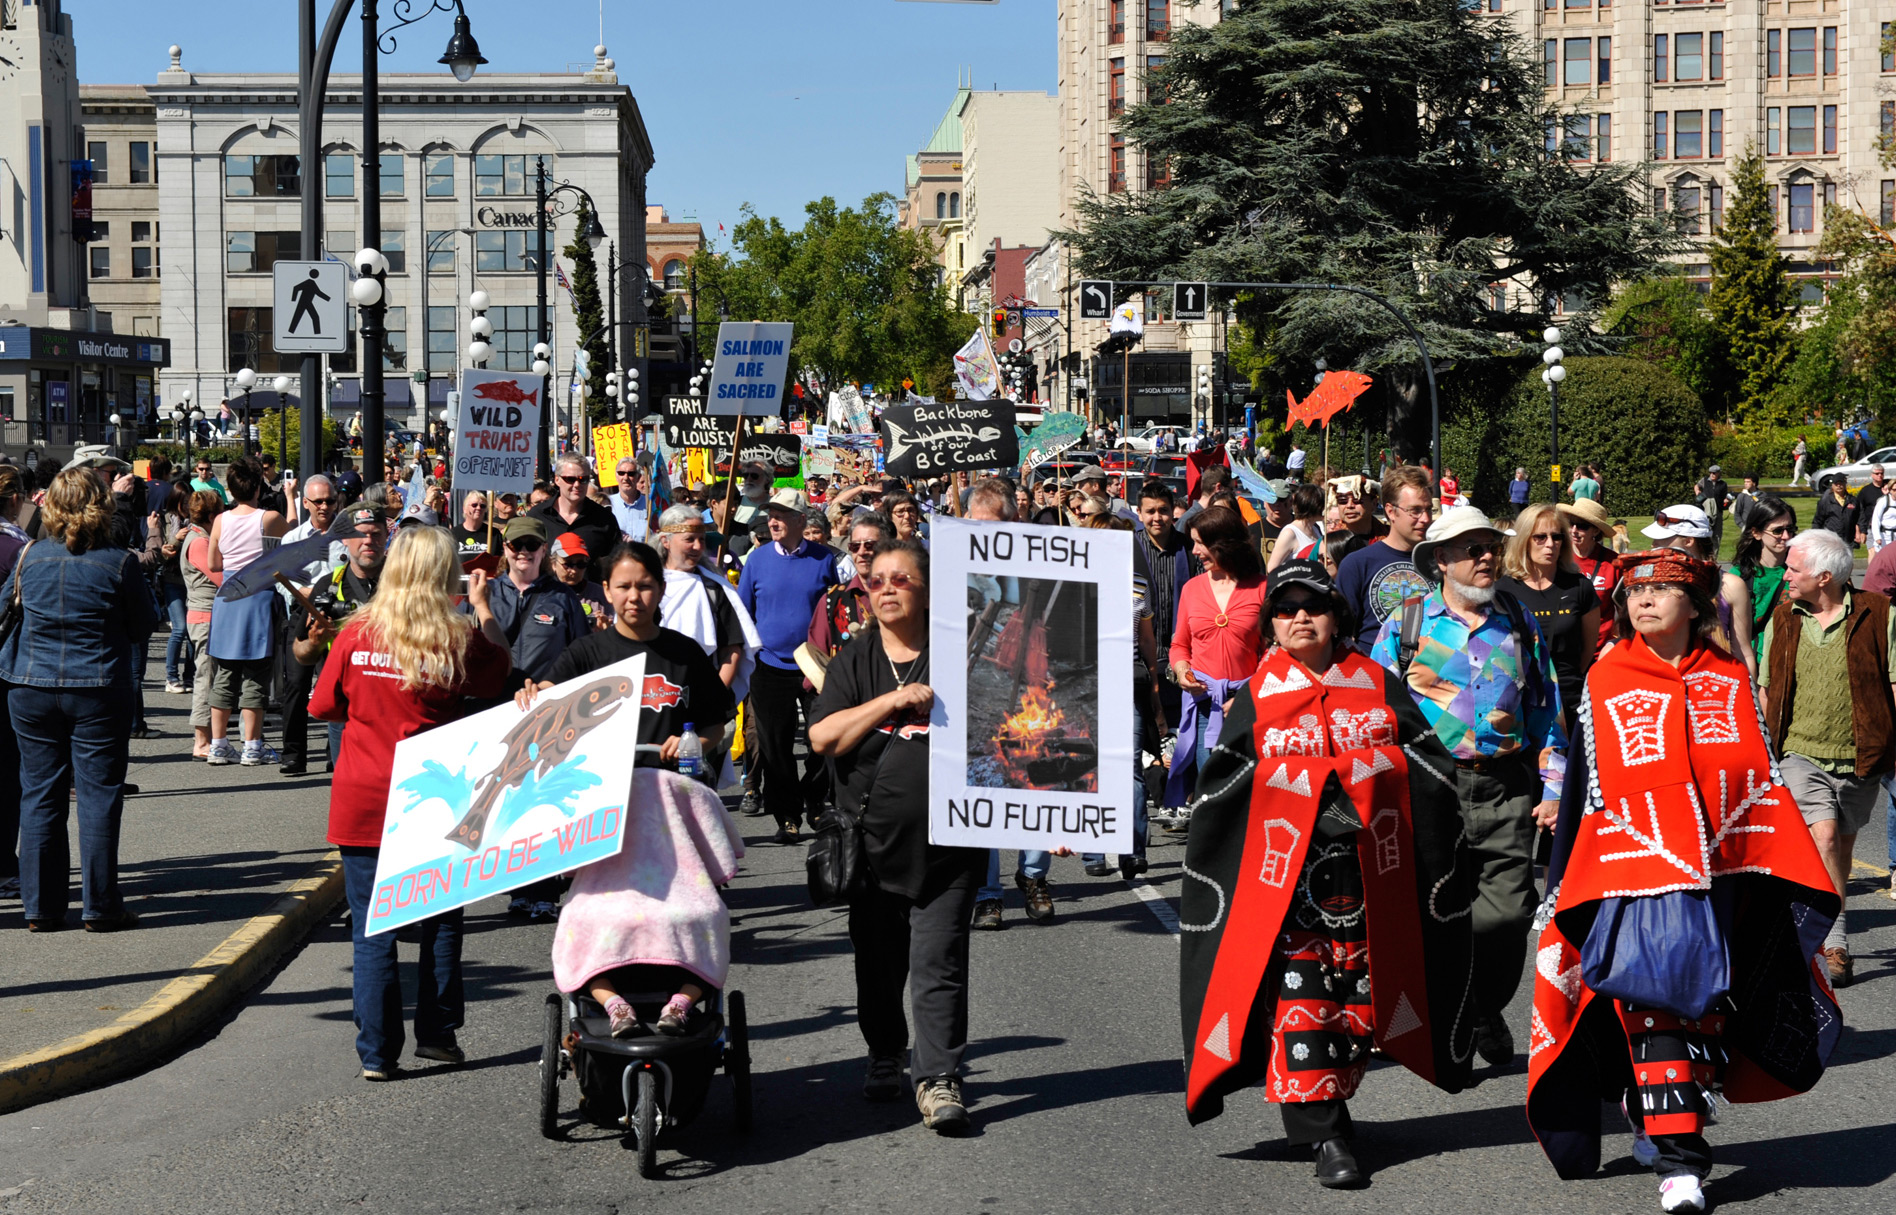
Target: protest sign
x,y
753,360
499,427
687,424
822,461
924,439
819,435
505,798
1030,740
1055,433
783,452
977,374
611,444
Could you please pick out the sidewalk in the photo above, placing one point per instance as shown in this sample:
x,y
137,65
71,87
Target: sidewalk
x,y
203,850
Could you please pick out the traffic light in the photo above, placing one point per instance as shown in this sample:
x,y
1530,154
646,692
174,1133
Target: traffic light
x,y
1000,322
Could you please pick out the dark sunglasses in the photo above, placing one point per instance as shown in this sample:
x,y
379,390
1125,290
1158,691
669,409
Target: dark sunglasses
x,y
1477,549
900,582
574,563
319,501
863,546
570,480
524,546
1289,609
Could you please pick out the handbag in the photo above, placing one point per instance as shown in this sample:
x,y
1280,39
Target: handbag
x,y
1665,951
837,860
15,611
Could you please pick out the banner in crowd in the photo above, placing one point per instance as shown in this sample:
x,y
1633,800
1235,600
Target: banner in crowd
x,y
611,444
1030,741
925,439
688,424
503,799
748,374
1054,434
976,368
498,430
848,412
783,452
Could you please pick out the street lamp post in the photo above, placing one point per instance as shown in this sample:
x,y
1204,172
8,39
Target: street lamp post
x,y
282,386
246,380
1552,375
595,236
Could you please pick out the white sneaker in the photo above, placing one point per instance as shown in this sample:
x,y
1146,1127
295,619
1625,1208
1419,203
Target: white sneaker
x,y
175,688
257,752
222,752
1645,1155
1681,1193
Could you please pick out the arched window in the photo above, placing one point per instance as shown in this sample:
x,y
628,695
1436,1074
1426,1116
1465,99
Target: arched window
x,y
674,275
954,205
941,205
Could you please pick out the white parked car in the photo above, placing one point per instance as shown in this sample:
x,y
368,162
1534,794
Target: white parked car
x,y
1146,441
1858,474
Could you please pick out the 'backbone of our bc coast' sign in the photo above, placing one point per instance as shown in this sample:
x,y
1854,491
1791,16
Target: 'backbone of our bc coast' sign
x,y
752,363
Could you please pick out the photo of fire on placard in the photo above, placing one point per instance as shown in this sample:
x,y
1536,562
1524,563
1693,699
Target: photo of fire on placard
x,y
1033,684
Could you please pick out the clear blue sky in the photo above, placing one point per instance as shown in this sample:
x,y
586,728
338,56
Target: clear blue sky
x,y
770,102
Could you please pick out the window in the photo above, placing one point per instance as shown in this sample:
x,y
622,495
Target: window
x,y
1158,172
443,352
141,230
1550,5
1830,129
1115,86
1773,145
516,329
1882,39
1800,130
1887,215
1579,3
495,176
1659,135
1660,59
395,340
395,248
101,261
258,252
1497,297
1155,89
1771,192
954,205
1116,165
1685,201
341,242
95,152
391,176
1659,200
1606,62
1550,134
339,179
439,182
1603,137
1717,193
1715,133
675,275
139,164
1717,64
441,252
1158,20
250,344
500,252
1830,50
1578,143
143,263
1688,135
262,177
1689,57
1802,57
1803,209
1830,194
345,363
1773,56
1116,22
1550,51
1579,61
101,229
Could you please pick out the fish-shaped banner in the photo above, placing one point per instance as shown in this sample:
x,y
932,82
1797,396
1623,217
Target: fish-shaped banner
x,y
923,439
1338,392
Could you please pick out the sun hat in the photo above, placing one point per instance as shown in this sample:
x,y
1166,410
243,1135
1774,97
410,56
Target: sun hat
x,y
1679,520
1589,512
1455,523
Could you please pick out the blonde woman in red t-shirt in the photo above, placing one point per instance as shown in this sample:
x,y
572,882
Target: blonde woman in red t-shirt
x,y
1218,639
405,663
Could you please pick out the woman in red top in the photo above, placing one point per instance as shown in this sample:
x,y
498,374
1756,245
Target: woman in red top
x,y
405,663
1217,641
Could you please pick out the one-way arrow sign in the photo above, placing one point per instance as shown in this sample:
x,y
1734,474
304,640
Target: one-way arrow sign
x,y
1096,299
1189,301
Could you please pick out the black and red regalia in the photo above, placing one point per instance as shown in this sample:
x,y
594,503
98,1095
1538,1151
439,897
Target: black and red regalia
x,y
1326,895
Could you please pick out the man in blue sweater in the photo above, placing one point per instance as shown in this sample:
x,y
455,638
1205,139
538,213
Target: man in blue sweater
x,y
782,582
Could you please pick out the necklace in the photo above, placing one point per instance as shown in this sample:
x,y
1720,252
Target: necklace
x,y
914,668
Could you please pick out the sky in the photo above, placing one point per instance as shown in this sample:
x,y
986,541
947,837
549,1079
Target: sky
x,y
768,102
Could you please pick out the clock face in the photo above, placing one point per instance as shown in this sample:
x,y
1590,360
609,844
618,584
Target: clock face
x,y
11,57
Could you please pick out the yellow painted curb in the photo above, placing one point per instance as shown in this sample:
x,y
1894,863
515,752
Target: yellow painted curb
x,y
182,1007
1869,868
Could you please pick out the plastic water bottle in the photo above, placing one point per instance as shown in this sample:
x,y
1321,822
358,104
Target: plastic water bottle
x,y
690,752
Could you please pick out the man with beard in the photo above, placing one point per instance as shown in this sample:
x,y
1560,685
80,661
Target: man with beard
x,y
1480,672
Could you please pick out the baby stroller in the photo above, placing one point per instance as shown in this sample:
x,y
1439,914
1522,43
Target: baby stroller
x,y
647,1084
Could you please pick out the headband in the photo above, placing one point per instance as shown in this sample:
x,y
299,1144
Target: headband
x,y
689,525
1667,567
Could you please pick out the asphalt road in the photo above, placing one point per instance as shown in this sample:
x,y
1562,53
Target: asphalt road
x,y
1074,1079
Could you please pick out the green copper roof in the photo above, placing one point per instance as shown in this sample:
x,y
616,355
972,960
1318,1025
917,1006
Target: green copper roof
x,y
947,137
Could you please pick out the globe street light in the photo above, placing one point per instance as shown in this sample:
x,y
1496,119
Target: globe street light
x,y
1551,375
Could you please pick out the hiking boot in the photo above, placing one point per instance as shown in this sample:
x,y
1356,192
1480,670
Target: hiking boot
x,y
987,916
1494,1041
884,1081
1039,898
940,1103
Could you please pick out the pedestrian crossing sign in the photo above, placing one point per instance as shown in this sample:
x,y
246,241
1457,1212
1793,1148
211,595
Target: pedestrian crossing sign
x,y
312,307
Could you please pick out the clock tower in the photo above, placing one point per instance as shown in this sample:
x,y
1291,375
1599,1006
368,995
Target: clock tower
x,y
42,280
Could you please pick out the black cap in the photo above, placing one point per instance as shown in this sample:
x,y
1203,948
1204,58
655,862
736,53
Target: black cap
x,y
349,518
1299,572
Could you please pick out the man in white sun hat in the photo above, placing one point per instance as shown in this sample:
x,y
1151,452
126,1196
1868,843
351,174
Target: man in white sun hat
x,y
1483,676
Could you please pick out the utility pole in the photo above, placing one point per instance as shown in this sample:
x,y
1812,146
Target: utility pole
x,y
543,463
373,315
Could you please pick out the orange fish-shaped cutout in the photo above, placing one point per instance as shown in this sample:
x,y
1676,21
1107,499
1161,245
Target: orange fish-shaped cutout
x,y
1338,392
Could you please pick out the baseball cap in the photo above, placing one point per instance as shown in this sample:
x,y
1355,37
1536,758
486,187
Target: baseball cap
x,y
1679,520
568,544
790,500
1298,571
418,512
524,527
351,519
1091,472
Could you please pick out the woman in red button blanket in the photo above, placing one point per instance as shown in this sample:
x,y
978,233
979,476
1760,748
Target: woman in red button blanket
x,y
1675,804
1325,906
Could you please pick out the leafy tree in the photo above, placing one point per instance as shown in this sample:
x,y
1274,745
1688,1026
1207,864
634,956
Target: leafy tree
x,y
1752,305
589,315
1395,145
270,421
1662,319
864,293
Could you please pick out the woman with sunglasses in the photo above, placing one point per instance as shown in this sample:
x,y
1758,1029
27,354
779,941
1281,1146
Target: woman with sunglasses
x,y
911,926
1762,547
1538,570
1326,887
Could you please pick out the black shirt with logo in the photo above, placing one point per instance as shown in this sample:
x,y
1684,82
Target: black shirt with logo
x,y
681,685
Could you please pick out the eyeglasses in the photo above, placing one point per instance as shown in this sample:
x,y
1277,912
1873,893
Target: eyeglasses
x,y
319,502
1346,499
569,480
900,582
1413,511
1782,529
1547,537
1288,609
862,546
524,546
1477,549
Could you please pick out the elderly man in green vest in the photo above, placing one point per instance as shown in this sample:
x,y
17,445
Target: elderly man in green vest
x,y
1828,653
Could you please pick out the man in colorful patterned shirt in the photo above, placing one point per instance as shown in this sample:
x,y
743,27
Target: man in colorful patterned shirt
x,y
1484,680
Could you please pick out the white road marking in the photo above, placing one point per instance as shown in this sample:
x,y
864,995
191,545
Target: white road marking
x,y
1161,909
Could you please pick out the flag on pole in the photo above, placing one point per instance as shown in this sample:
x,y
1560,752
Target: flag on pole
x,y
975,367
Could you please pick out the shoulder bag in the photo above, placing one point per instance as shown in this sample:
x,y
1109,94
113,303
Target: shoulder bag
x,y
1662,951
837,861
15,610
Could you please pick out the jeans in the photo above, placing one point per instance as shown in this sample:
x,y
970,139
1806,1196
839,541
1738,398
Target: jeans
x,y
440,1003
1033,867
70,737
9,796
1138,796
178,645
922,944
141,658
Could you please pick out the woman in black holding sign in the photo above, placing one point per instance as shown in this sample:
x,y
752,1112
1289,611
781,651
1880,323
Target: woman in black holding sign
x,y
871,720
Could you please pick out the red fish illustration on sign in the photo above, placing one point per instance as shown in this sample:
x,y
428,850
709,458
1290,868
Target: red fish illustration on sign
x,y
1338,392
507,392
659,693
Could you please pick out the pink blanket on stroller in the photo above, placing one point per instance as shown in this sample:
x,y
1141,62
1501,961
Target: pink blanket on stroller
x,y
656,901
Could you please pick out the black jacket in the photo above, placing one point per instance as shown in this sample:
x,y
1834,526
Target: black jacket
x,y
1838,517
597,527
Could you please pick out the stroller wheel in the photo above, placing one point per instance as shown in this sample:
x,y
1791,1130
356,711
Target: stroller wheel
x,y
737,1059
550,1066
644,1123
